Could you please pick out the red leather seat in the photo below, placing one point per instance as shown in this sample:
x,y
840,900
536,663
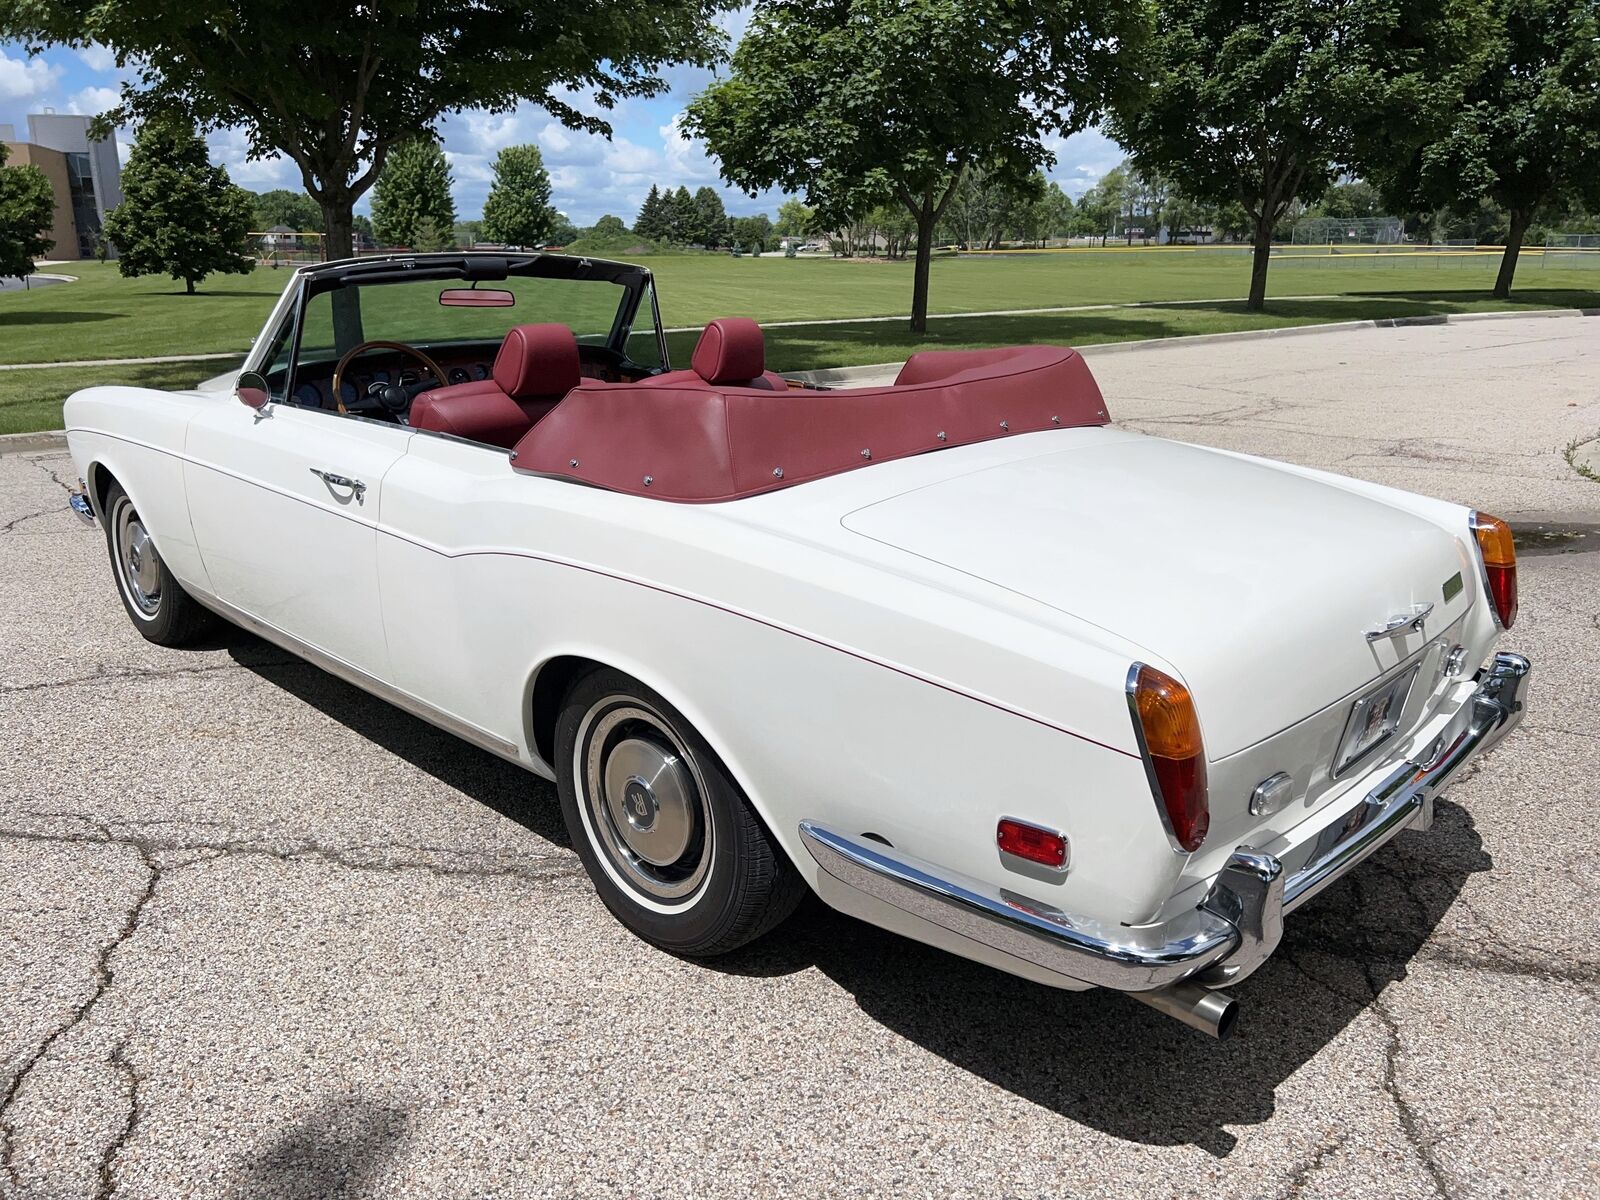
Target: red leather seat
x,y
732,352
536,367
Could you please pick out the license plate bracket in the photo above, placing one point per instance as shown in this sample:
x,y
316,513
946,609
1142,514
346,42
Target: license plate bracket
x,y
1374,719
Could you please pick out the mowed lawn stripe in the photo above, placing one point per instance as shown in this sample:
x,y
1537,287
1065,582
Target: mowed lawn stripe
x,y
105,316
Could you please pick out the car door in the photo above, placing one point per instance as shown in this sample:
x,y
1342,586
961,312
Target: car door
x,y
285,506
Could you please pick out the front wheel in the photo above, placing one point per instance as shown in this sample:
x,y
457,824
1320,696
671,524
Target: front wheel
x,y
157,604
672,846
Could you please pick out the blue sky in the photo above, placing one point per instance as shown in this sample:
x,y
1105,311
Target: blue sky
x,y
591,176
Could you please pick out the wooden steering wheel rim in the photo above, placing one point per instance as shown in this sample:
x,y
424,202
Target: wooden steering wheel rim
x,y
350,355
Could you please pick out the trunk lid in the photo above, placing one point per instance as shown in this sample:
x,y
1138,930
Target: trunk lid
x,y
1254,584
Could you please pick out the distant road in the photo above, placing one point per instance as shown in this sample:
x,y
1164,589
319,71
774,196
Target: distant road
x,y
11,283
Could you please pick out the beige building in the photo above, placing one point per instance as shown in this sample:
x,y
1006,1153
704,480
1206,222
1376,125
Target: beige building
x,y
84,175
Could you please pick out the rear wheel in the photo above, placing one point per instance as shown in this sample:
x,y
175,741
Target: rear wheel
x,y
672,846
157,604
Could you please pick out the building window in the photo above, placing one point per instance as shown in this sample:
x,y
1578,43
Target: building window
x,y
85,212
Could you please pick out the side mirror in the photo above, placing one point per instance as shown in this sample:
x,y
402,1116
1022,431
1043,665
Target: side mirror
x,y
252,390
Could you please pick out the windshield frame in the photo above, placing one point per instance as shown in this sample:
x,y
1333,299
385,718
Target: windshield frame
x,y
354,274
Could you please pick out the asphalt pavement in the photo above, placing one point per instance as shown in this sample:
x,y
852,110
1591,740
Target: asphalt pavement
x,y
264,936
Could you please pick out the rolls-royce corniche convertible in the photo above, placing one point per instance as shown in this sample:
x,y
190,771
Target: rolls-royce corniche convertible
x,y
956,654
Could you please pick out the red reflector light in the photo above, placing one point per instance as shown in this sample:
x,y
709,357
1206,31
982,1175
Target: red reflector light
x,y
1169,738
1032,842
1498,554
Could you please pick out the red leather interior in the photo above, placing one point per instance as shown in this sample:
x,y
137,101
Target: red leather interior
x,y
478,411
731,352
706,443
537,362
536,366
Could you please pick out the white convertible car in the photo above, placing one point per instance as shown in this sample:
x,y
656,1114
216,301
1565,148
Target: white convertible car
x,y
973,665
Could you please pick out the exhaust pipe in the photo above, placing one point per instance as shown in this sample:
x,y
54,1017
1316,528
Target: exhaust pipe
x,y
1213,1013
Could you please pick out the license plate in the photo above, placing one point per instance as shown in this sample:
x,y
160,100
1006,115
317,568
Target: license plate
x,y
1374,718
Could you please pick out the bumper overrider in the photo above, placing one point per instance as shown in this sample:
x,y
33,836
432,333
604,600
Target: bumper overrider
x,y
1179,965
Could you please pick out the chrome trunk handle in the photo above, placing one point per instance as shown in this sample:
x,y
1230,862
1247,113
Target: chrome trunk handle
x,y
1400,624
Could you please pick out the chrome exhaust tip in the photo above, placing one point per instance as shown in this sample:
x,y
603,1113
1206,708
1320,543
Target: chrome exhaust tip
x,y
1211,1012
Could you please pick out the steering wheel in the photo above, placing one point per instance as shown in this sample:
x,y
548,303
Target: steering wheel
x,y
400,347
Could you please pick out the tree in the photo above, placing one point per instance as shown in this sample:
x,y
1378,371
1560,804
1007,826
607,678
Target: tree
x,y
27,210
1103,203
469,233
1266,102
751,233
1527,135
1353,198
795,218
412,192
562,231
335,93
652,219
710,219
517,211
280,206
862,102
179,215
681,216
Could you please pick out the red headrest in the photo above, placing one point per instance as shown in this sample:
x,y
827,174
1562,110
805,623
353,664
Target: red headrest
x,y
731,350
537,360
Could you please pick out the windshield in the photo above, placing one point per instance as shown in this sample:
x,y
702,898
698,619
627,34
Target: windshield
x,y
411,313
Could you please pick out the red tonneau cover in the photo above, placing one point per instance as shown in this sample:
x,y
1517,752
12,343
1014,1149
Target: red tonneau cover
x,y
705,443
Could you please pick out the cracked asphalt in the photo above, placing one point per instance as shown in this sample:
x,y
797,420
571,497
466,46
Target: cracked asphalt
x,y
264,936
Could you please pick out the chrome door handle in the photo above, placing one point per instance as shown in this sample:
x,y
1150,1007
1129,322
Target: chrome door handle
x,y
1401,623
357,488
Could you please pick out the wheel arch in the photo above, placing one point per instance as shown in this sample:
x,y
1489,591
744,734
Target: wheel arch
x,y
548,683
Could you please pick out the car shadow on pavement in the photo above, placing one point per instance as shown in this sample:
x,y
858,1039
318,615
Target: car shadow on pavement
x,y
499,785
1095,1057
337,1152
1124,1069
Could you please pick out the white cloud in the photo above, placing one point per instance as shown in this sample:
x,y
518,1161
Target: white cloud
x,y
230,148
1081,159
92,101
687,160
26,78
97,57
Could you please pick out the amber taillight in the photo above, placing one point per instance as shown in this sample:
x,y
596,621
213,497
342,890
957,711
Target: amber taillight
x,y
1498,554
1169,738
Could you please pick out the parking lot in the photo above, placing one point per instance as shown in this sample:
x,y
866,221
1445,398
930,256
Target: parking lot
x,y
262,935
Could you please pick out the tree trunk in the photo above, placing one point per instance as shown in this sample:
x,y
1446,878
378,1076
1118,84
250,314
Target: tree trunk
x,y
1508,261
1259,263
188,286
338,229
919,286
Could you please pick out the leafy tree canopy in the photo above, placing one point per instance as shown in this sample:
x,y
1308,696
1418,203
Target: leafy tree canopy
x,y
282,207
518,211
336,89
858,102
795,218
1527,135
179,215
27,211
411,204
1265,102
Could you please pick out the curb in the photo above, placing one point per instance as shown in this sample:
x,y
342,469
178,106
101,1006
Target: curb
x,y
21,443
830,376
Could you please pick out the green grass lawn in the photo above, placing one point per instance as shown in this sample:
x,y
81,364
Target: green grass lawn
x,y
105,316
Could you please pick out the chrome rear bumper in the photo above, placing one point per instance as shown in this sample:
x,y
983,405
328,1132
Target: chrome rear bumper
x,y
1222,940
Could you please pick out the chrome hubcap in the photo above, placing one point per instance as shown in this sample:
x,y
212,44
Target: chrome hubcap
x,y
137,560
643,800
